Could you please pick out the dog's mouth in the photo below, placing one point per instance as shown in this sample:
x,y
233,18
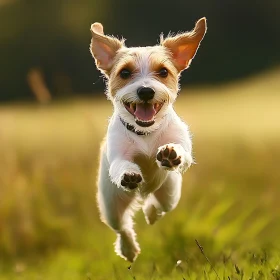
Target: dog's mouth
x,y
144,113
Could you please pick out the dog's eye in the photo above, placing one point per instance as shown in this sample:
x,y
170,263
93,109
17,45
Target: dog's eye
x,y
163,72
125,73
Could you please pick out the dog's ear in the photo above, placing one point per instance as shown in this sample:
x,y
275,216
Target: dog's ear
x,y
183,46
103,48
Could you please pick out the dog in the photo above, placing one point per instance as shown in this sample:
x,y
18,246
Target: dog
x,y
147,147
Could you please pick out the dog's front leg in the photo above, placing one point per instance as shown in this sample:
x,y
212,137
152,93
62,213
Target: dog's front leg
x,y
122,170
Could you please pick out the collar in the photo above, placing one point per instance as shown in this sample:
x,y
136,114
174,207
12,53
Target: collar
x,y
133,129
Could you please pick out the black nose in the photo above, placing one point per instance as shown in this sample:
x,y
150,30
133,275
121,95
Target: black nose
x,y
145,93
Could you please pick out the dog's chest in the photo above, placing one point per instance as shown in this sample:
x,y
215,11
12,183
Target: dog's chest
x,y
153,175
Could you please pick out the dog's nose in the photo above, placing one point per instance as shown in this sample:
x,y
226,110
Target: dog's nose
x,y
145,93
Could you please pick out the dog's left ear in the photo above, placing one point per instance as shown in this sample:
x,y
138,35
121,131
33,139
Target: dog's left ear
x,y
103,48
183,46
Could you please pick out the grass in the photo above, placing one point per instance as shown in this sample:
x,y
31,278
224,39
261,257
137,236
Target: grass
x,y
49,224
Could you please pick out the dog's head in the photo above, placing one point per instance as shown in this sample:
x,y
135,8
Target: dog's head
x,y
142,82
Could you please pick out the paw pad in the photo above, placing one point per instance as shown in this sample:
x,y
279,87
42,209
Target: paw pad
x,y
131,180
168,157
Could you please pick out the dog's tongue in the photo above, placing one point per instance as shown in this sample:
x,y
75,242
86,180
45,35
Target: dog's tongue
x,y
145,111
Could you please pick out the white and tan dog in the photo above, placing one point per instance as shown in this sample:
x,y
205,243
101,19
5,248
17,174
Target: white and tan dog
x,y
147,146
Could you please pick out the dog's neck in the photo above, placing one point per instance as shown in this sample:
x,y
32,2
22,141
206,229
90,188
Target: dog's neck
x,y
131,128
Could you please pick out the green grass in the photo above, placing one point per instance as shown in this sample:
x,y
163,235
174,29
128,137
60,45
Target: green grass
x,y
49,224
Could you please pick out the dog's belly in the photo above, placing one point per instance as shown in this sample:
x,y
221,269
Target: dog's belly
x,y
153,175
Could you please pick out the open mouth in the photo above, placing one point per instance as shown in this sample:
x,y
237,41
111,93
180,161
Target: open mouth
x,y
144,113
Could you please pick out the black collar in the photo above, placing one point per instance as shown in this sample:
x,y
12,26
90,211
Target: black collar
x,y
133,129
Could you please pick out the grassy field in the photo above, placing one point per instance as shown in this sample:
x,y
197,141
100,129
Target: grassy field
x,y
49,224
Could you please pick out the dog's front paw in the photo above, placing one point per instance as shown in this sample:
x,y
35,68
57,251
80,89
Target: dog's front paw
x,y
168,157
131,180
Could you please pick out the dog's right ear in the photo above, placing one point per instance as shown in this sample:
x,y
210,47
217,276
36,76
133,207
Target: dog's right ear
x,y
103,48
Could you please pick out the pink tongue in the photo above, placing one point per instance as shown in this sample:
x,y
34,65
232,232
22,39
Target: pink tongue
x,y
145,112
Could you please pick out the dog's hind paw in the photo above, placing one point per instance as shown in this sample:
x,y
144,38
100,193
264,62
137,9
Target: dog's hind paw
x,y
168,157
131,180
126,246
152,214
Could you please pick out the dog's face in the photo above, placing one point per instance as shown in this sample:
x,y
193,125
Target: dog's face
x,y
143,82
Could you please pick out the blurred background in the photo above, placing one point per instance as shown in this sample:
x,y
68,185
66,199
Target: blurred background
x,y
53,115
53,37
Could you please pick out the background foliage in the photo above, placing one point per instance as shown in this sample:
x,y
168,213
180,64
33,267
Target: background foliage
x,y
54,36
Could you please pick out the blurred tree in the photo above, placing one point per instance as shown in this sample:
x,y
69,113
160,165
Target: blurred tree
x,y
54,36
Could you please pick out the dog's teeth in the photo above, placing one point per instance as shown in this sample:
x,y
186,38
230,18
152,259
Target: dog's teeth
x,y
144,121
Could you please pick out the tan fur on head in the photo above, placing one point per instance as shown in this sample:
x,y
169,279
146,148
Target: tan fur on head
x,y
142,61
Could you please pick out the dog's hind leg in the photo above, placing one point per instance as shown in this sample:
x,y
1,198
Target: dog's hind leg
x,y
164,199
116,210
